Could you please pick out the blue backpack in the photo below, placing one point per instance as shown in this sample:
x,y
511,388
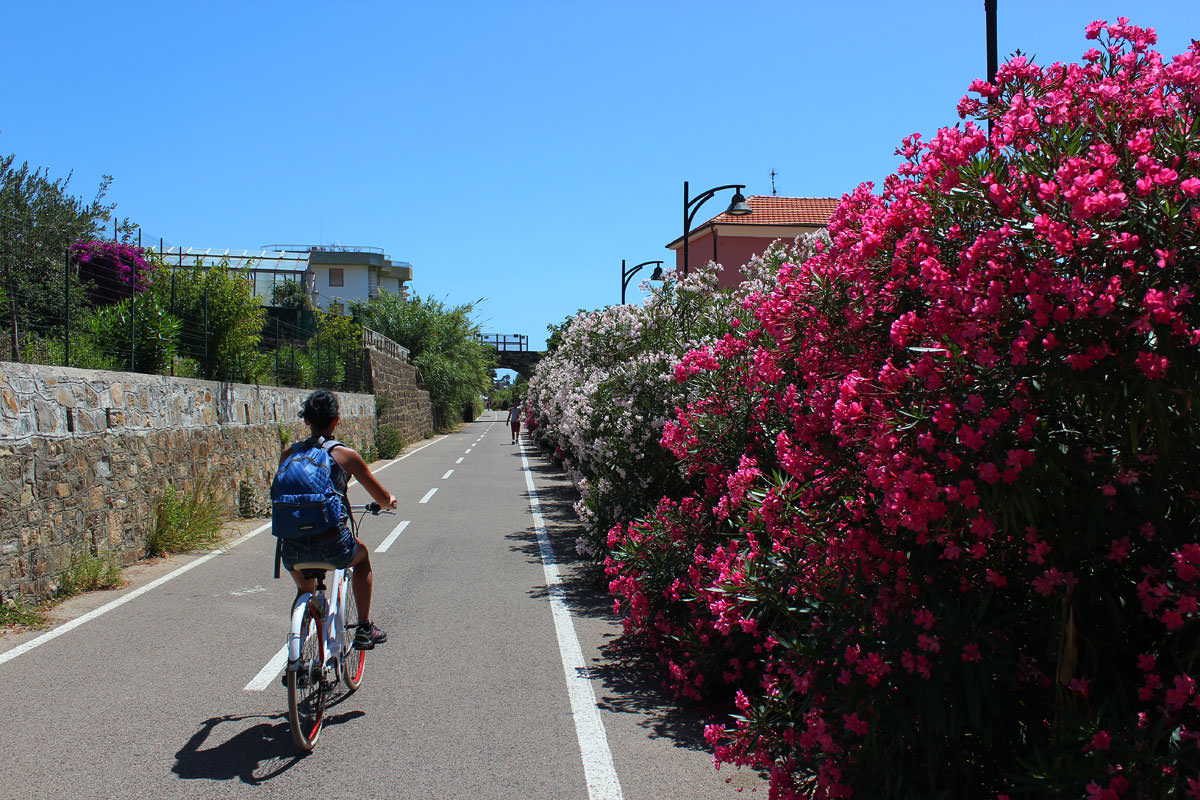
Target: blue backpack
x,y
304,498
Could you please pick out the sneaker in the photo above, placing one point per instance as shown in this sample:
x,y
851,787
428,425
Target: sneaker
x,y
367,636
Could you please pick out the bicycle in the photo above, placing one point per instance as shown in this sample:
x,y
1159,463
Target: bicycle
x,y
321,644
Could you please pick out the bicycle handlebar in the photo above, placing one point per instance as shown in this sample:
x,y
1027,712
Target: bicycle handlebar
x,y
372,508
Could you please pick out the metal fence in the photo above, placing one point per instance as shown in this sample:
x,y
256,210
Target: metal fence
x,y
517,342
160,323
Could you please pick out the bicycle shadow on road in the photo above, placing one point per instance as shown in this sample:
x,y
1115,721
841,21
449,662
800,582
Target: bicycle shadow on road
x,y
253,755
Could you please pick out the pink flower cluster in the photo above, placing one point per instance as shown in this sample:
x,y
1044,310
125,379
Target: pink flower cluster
x,y
110,268
945,519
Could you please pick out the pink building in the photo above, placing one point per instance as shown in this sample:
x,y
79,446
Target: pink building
x,y
732,241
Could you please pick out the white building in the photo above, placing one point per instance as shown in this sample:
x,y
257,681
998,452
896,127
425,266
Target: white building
x,y
331,274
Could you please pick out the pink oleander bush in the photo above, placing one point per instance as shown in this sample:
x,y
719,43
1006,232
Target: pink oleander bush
x,y
942,533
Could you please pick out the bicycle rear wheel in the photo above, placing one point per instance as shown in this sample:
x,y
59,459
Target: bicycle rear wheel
x,y
306,689
353,661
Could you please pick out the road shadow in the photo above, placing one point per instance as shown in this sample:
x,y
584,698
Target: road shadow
x,y
254,755
630,679
633,684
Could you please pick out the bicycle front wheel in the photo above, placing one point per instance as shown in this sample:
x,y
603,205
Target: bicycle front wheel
x,y
353,661
306,689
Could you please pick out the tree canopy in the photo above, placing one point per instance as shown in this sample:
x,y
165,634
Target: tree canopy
x,y
443,342
39,219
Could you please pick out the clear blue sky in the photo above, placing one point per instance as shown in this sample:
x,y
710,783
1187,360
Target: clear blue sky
x,y
513,151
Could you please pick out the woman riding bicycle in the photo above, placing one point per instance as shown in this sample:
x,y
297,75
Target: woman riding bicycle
x,y
338,546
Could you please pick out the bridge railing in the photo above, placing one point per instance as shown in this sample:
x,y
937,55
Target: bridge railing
x,y
505,343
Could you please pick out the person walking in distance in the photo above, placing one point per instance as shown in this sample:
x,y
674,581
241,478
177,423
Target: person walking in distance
x,y
337,545
514,421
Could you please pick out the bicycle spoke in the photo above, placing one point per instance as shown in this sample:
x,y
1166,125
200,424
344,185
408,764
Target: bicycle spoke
x,y
353,661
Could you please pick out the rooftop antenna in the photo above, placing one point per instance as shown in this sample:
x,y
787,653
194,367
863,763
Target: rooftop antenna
x,y
773,174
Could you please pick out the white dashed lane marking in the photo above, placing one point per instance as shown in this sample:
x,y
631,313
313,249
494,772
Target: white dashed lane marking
x,y
395,534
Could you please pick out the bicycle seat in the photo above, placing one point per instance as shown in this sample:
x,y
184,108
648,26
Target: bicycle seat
x,y
320,566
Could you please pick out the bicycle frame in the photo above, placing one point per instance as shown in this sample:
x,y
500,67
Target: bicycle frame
x,y
334,614
335,660
334,620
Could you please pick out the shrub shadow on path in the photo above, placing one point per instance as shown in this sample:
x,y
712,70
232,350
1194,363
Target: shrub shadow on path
x,y
630,681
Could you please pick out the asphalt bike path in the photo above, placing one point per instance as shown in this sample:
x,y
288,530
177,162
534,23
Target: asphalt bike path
x,y
476,694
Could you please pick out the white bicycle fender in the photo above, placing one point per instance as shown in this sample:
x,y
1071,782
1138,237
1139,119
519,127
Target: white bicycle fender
x,y
294,640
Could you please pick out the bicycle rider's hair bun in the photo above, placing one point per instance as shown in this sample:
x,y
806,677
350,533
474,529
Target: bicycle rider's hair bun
x,y
320,408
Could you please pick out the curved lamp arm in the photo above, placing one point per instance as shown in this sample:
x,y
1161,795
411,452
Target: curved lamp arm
x,y
692,204
700,199
627,274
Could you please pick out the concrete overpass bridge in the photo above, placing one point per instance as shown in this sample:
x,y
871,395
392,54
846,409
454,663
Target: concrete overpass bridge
x,y
513,352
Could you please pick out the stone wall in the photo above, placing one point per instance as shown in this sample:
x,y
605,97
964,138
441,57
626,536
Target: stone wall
x,y
85,455
403,405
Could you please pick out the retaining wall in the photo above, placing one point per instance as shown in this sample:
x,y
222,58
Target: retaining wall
x,y
404,406
85,455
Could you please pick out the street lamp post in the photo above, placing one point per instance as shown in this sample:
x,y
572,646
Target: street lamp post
x,y
989,11
627,275
737,208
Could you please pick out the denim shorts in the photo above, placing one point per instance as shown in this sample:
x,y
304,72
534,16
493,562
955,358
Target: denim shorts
x,y
336,550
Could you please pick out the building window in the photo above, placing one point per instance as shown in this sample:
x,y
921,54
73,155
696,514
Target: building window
x,y
336,278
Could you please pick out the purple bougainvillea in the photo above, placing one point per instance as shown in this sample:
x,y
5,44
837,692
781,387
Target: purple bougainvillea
x,y
111,267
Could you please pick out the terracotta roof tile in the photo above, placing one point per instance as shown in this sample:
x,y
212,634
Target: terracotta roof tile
x,y
772,210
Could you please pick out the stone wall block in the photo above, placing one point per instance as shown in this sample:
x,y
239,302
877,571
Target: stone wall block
x,y
95,484
60,558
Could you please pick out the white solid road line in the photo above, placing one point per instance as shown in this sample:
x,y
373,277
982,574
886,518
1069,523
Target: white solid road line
x,y
395,534
428,495
598,769
123,599
266,675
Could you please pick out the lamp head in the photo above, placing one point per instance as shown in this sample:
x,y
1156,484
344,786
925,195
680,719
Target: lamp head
x,y
657,275
738,206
